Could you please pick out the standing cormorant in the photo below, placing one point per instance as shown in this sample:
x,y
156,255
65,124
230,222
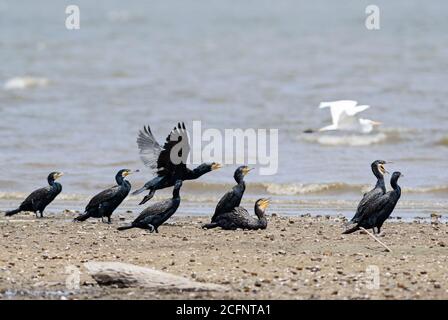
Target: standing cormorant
x,y
379,171
39,199
155,215
379,209
240,218
159,160
104,203
232,199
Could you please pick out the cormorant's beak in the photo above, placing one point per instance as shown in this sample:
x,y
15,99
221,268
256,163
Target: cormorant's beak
x,y
246,170
376,123
58,175
126,173
383,169
264,203
216,166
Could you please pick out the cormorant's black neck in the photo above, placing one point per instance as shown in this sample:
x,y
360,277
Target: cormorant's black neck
x,y
380,183
262,221
394,184
50,180
176,193
198,171
119,178
239,177
380,178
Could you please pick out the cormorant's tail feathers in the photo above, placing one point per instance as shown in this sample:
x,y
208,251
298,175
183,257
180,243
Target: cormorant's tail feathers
x,y
138,191
145,199
351,230
82,217
125,227
210,225
12,212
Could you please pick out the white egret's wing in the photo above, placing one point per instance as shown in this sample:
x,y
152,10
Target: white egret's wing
x,y
351,111
338,108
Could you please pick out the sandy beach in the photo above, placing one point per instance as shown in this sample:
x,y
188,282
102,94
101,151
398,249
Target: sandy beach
x,y
295,258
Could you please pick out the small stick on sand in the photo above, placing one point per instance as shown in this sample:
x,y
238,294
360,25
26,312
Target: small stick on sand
x,y
376,239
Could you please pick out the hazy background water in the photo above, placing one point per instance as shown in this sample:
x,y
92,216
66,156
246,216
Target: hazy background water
x,y
231,64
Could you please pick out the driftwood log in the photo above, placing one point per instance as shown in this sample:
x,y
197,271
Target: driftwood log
x,y
125,275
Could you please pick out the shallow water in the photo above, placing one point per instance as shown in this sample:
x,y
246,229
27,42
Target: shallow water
x,y
246,64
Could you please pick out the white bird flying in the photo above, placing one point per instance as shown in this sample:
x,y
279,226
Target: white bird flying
x,y
343,114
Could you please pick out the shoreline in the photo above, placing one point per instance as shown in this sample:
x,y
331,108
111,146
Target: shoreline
x,y
294,258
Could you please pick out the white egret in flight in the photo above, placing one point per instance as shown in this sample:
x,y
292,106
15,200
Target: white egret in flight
x,y
343,114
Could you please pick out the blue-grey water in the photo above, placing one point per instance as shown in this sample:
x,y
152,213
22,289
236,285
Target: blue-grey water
x,y
230,64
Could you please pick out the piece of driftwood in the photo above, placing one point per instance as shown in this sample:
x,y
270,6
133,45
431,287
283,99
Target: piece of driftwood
x,y
376,239
126,275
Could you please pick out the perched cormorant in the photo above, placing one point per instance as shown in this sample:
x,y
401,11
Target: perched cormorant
x,y
155,215
159,160
379,209
232,199
240,218
39,199
379,171
104,203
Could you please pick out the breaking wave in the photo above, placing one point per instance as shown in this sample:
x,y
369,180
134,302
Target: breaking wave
x,y
25,82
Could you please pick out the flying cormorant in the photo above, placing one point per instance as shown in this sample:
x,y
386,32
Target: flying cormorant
x,y
232,199
379,209
379,171
159,159
240,218
104,203
155,215
39,199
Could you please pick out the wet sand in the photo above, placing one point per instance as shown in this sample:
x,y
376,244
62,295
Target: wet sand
x,y
295,258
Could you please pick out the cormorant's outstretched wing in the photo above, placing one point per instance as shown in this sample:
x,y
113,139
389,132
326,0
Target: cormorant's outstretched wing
x,y
149,148
158,158
156,208
175,151
103,196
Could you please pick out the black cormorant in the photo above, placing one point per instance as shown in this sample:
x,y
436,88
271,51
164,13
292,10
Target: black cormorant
x,y
240,218
232,199
379,171
159,160
104,203
155,215
379,209
40,198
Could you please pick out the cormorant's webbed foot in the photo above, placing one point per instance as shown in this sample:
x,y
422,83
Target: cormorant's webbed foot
x,y
151,228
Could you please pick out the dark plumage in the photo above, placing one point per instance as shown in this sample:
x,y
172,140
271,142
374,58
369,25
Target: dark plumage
x,y
379,171
159,159
232,199
240,218
39,199
155,215
104,203
379,209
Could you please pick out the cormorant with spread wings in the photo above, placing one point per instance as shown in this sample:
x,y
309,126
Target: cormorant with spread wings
x,y
168,162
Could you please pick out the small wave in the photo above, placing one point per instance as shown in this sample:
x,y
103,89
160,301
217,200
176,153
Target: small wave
x,y
348,140
212,191
432,189
25,82
352,140
300,189
22,195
